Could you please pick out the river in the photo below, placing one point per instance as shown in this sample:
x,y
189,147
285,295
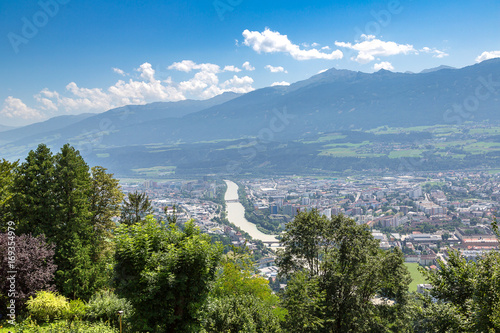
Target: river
x,y
236,215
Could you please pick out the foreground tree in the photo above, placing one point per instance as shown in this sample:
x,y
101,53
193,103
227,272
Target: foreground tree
x,y
165,273
6,181
56,196
240,300
135,208
468,294
305,302
347,274
105,200
486,298
33,205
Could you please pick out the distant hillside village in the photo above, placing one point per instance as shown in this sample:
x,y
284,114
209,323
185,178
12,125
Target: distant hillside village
x,y
425,215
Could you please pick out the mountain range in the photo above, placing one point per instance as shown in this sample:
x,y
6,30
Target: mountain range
x,y
334,100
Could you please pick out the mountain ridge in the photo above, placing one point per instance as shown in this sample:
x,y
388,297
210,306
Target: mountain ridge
x,y
336,99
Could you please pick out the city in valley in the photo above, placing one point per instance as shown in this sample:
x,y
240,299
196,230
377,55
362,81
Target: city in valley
x,y
425,215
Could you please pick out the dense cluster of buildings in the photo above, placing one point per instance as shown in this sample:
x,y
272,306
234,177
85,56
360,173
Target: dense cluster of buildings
x,y
425,216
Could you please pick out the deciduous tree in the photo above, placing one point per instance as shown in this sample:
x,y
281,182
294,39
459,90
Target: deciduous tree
x,y
343,260
166,273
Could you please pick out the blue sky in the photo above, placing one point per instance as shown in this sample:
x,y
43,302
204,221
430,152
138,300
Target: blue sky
x,y
72,56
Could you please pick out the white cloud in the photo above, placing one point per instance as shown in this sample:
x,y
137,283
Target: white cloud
x,y
189,65
383,65
282,83
277,69
231,69
15,108
238,84
201,81
486,55
119,71
270,42
435,53
147,72
183,66
142,89
367,37
322,71
205,83
326,47
246,65
371,47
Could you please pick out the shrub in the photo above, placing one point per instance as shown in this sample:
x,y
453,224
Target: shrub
x,y
34,266
77,309
47,306
63,326
104,306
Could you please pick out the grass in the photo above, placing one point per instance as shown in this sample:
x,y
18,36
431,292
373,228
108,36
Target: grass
x,y
442,129
157,171
406,153
485,131
482,147
416,276
326,138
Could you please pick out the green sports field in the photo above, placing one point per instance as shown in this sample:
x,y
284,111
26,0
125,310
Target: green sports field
x,y
417,277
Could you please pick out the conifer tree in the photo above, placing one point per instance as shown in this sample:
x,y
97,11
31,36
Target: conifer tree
x,y
56,196
135,208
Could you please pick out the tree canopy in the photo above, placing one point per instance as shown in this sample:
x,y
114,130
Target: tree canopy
x,y
165,272
57,196
342,273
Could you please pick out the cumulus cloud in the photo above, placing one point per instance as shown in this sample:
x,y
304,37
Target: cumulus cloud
x,y
189,65
15,108
119,71
142,89
435,53
231,69
246,65
272,41
278,69
383,65
488,55
282,83
238,84
372,47
205,83
183,66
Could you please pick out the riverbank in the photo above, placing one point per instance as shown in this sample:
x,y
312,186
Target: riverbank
x,y
236,214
